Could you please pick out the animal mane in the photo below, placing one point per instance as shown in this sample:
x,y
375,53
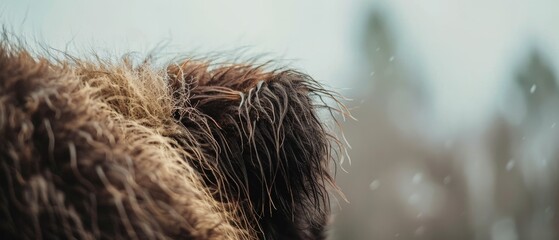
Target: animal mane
x,y
95,149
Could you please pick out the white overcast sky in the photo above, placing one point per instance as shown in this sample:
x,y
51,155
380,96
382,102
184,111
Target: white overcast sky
x,y
443,38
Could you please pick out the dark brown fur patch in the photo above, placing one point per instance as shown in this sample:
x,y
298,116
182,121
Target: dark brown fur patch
x,y
94,150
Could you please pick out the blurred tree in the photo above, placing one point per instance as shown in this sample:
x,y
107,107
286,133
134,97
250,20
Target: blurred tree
x,y
535,140
389,152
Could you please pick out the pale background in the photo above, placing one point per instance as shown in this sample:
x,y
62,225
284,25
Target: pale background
x,y
456,100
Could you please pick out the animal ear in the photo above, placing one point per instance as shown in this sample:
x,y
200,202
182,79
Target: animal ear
x,y
271,152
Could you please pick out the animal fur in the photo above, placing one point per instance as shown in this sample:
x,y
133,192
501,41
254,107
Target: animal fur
x,y
98,150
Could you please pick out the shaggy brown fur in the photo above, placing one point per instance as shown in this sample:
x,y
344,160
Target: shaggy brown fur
x,y
91,150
